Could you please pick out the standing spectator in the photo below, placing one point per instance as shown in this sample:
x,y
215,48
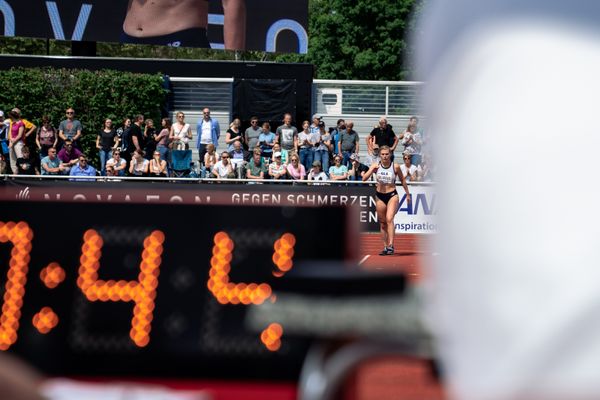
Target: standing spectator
x,y
316,174
256,169
383,135
266,141
211,157
70,128
277,169
46,137
357,169
287,134
295,169
51,164
181,133
82,168
116,165
337,171
306,142
314,127
323,148
162,139
284,154
4,143
223,168
233,134
123,134
149,138
16,135
69,155
252,133
349,143
25,164
411,140
157,166
106,142
335,135
30,127
409,171
136,137
138,165
208,132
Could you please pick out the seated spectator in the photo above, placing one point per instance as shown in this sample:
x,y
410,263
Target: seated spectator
x,y
210,157
284,154
338,172
411,172
316,174
266,140
51,165
138,166
116,165
223,168
256,169
427,169
69,155
82,168
357,169
157,166
373,154
295,170
238,157
277,169
25,164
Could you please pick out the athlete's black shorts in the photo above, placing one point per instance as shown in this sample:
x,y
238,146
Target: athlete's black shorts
x,y
385,197
193,37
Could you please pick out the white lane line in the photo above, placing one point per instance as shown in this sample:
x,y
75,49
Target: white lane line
x,y
364,259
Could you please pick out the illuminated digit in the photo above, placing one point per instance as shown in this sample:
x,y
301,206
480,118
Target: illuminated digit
x,y
20,235
142,291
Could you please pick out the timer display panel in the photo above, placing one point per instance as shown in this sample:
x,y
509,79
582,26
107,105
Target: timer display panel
x,y
155,290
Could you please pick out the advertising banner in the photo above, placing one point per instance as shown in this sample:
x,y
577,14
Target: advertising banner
x,y
266,25
417,217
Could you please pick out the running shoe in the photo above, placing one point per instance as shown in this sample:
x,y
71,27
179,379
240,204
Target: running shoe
x,y
389,250
385,251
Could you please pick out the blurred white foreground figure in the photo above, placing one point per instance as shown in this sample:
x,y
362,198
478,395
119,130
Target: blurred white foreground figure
x,y
513,98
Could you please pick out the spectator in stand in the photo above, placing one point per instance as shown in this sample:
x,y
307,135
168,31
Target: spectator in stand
x,y
314,127
409,171
306,142
383,135
28,133
428,171
207,132
157,166
4,141
136,137
287,134
17,133
323,148
238,156
162,139
411,140
349,144
149,138
223,168
337,171
256,168
252,133
51,164
106,142
335,135
211,157
46,137
138,166
69,155
233,134
266,141
26,165
123,134
284,154
277,169
70,128
116,165
82,168
357,169
295,169
181,133
316,173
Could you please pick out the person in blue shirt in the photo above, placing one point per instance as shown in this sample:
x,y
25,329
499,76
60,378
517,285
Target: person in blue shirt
x,y
266,141
82,168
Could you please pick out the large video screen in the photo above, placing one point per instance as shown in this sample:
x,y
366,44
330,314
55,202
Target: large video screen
x,y
265,25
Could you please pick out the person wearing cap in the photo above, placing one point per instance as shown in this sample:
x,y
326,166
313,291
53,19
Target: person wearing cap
x,y
357,169
277,169
316,173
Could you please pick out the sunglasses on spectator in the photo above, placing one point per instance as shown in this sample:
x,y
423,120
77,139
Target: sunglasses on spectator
x,y
253,122
407,158
225,157
70,112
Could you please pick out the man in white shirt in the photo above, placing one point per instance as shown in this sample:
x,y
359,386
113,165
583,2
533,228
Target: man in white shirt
x,y
223,169
208,132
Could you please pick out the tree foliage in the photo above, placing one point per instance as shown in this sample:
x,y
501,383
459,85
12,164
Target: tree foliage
x,y
95,95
